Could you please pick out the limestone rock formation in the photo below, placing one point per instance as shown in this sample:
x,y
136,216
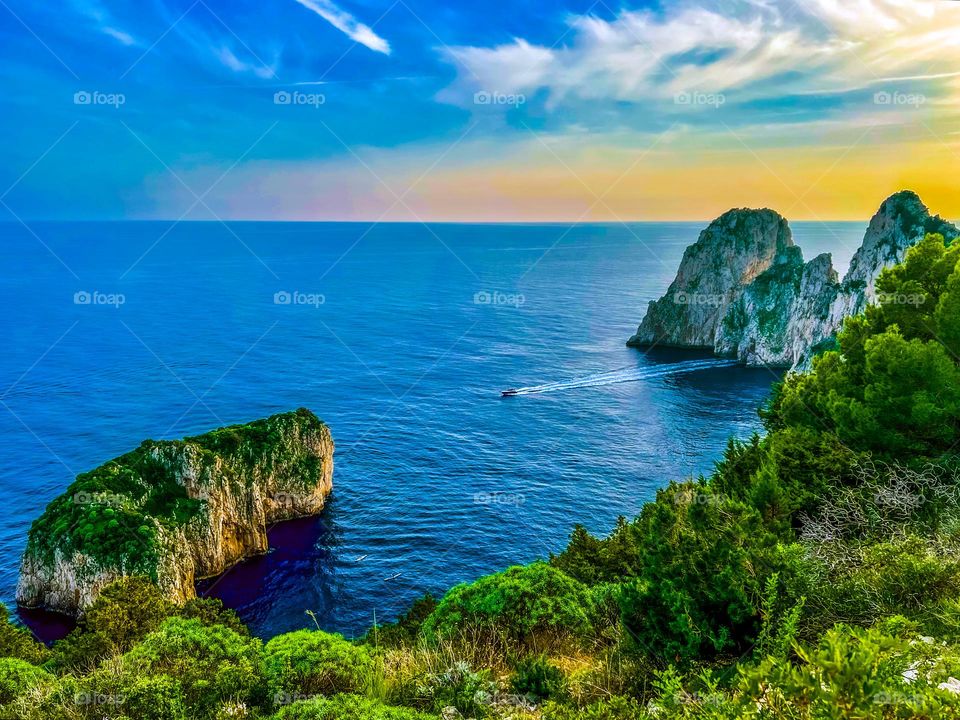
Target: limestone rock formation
x,y
733,250
765,306
176,511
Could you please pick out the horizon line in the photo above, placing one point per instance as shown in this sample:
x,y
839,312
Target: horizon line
x,y
408,222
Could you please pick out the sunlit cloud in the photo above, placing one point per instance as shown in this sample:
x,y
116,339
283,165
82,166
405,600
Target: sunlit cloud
x,y
747,50
845,100
684,173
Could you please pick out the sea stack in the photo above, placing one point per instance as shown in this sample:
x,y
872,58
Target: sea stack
x,y
176,511
732,251
743,289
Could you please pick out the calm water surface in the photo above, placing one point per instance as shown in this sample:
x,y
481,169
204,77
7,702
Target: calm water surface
x,y
438,480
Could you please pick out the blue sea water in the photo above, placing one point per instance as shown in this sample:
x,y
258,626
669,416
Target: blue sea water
x,y
400,336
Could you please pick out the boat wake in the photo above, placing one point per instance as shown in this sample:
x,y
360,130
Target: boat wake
x,y
623,375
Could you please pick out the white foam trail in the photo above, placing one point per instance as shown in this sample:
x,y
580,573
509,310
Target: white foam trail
x,y
624,375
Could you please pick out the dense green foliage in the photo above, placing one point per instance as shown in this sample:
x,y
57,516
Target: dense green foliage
x,y
815,575
208,664
18,678
123,615
262,443
347,707
705,559
893,386
316,663
17,642
538,679
515,606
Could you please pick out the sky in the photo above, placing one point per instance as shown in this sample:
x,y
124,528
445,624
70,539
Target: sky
x,y
517,110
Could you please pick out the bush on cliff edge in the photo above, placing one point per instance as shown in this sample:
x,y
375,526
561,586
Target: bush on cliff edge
x,y
521,606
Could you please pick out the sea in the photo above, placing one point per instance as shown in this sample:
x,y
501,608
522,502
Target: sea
x,y
401,337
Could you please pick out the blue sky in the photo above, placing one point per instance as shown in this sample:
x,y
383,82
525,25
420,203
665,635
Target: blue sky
x,y
414,109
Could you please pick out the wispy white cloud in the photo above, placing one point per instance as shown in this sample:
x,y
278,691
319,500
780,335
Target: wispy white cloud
x,y
104,21
748,49
347,24
121,36
214,42
228,59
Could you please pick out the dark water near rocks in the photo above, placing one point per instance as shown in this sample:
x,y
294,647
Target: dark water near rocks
x,y
438,480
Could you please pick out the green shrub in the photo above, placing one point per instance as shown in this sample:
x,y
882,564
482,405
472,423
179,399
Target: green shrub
x,y
519,605
18,677
126,611
538,679
854,673
780,621
211,611
110,693
117,690
863,583
787,473
737,466
701,699
615,708
706,559
153,697
316,663
17,642
347,707
211,664
611,559
893,386
605,609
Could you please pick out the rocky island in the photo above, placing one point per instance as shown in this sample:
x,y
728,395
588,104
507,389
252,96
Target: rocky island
x,y
743,289
176,511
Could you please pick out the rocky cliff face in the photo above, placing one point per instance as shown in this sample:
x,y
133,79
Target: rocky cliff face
x,y
176,511
777,318
782,313
733,250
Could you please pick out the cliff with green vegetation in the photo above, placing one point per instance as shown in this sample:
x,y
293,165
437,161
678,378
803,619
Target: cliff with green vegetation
x,y
729,254
814,575
176,511
743,289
